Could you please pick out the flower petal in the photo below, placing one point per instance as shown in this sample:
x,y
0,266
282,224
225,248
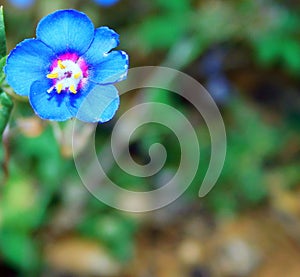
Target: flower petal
x,y
27,63
105,39
51,106
66,31
110,69
76,100
99,105
110,111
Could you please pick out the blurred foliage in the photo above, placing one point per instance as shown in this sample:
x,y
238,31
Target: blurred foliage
x,y
2,35
6,105
259,38
5,101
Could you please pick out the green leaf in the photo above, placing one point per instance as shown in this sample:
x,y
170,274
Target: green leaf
x,y
161,32
21,204
46,161
291,54
176,6
6,105
2,34
2,64
115,231
19,249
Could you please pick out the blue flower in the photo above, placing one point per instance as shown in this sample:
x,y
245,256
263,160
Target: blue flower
x,y
66,61
106,3
22,4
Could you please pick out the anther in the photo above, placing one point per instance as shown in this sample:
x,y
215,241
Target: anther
x,y
52,75
59,88
72,89
61,66
77,75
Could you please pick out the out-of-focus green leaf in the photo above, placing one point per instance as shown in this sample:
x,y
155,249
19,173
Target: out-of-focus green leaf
x,y
268,48
21,204
242,182
279,48
2,64
223,203
114,231
177,6
277,42
2,34
162,32
213,22
291,54
6,105
43,154
19,249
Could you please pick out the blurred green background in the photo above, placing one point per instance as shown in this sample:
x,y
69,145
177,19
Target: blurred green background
x,y
247,55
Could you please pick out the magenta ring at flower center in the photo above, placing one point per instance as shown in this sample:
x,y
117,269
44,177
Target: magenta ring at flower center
x,y
64,60
74,58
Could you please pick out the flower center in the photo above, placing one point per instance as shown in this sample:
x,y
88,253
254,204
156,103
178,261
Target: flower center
x,y
66,76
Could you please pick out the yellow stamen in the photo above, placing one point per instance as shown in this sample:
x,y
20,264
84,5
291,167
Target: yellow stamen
x,y
52,76
59,88
61,66
72,89
77,75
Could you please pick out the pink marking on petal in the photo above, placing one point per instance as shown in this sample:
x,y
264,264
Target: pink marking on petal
x,y
83,66
82,83
53,65
69,56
